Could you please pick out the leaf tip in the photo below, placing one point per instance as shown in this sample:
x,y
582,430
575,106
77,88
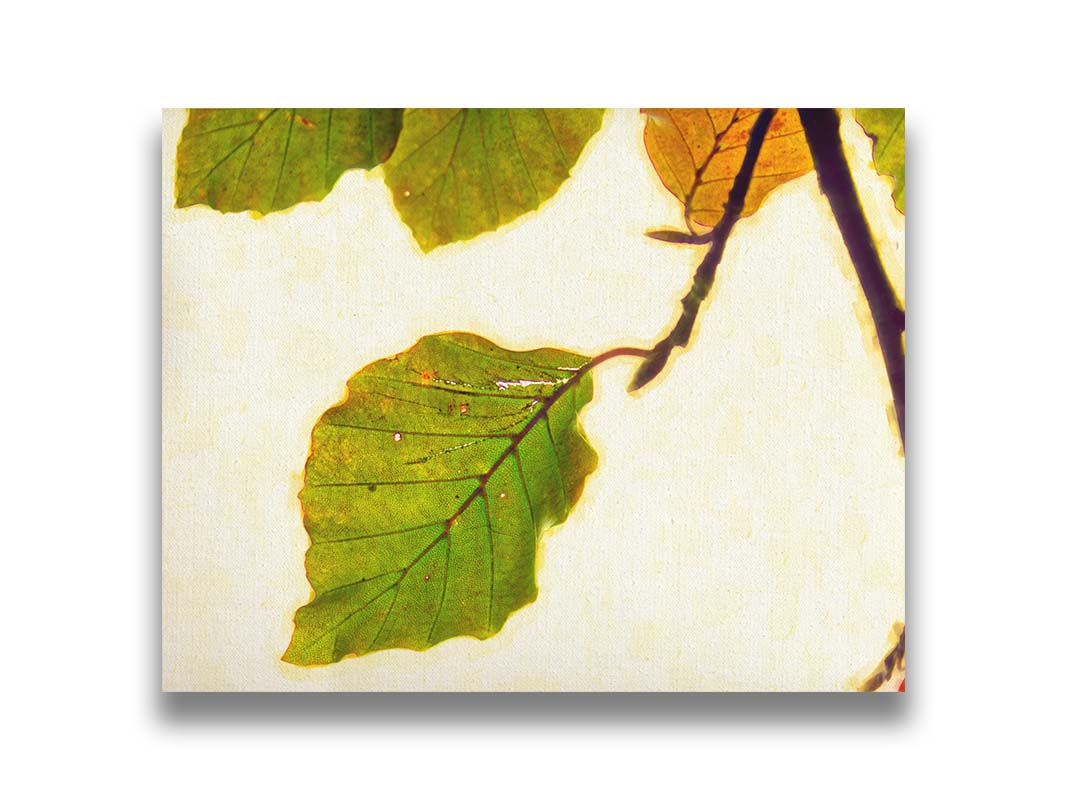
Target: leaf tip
x,y
294,656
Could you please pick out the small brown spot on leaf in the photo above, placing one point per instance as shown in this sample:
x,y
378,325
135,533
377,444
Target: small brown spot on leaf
x,y
306,122
464,408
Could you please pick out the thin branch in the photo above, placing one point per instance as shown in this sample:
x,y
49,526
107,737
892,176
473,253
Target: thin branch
x,y
705,273
822,126
892,662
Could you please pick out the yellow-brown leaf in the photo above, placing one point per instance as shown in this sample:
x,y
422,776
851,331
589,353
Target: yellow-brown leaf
x,y
698,151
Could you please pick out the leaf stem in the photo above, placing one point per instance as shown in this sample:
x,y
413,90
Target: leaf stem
x,y
636,352
822,127
704,276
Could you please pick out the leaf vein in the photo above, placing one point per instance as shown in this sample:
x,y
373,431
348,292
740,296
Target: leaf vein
x,y
526,492
559,147
332,589
285,155
380,535
331,628
451,390
430,138
396,483
444,585
221,128
522,158
403,432
559,466
492,556
449,171
488,171
326,152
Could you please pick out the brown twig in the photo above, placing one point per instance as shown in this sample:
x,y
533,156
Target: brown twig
x,y
705,273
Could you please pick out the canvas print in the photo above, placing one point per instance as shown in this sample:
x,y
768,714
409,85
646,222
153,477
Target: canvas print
x,y
533,399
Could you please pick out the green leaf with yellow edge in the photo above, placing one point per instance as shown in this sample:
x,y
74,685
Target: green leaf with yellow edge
x,y
457,173
268,159
697,152
885,126
428,489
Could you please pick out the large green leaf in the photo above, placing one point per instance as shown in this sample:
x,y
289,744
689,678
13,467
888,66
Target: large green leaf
x,y
886,127
457,173
428,488
267,159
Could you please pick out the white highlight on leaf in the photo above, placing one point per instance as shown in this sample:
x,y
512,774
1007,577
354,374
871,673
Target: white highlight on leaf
x,y
524,384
